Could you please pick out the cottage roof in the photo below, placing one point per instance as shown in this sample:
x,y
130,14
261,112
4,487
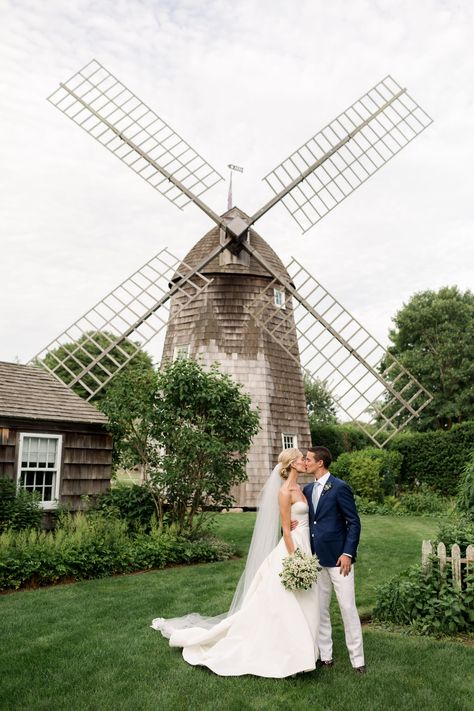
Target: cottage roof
x,y
28,392
211,240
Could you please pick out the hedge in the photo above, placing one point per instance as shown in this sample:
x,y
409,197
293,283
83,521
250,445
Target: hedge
x,y
338,438
372,473
435,458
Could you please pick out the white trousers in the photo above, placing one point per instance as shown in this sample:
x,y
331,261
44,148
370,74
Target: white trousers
x,y
330,578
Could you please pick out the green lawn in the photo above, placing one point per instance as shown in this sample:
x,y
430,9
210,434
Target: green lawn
x,y
89,645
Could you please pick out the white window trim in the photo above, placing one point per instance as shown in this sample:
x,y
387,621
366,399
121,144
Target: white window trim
x,y
46,505
293,436
179,348
280,292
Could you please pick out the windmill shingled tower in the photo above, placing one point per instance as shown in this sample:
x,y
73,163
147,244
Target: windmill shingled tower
x,y
231,299
217,327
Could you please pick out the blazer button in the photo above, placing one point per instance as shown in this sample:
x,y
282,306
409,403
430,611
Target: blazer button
x,y
312,535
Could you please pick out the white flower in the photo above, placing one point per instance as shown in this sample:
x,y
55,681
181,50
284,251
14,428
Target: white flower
x,y
299,571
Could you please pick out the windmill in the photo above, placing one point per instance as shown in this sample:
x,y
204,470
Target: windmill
x,y
231,299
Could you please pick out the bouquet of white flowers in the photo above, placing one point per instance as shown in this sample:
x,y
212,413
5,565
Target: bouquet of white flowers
x,y
299,571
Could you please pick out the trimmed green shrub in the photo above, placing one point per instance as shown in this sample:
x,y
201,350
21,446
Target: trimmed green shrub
x,y
19,509
372,473
389,507
87,547
457,530
338,438
435,458
422,501
427,601
133,504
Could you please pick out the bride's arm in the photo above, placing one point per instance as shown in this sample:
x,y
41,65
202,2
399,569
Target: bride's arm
x,y
284,500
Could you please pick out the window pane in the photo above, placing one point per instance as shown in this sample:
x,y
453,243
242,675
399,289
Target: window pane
x,y
289,441
32,451
51,456
30,478
39,465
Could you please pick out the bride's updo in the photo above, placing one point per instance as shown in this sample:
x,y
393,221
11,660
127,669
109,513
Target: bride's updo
x,y
287,458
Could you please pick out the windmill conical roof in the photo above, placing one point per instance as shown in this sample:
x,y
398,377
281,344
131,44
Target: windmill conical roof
x,y
211,240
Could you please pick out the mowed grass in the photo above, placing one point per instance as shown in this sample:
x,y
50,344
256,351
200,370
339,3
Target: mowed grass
x,y
89,645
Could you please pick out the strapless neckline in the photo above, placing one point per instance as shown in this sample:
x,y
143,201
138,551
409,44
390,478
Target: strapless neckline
x,y
303,503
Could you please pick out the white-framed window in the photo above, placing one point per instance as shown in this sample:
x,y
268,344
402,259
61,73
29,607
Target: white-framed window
x,y
39,462
279,298
181,352
289,441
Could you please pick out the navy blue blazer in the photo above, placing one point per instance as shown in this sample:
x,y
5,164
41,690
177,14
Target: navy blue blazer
x,y
335,525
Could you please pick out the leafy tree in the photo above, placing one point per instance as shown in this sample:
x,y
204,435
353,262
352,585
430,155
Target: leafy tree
x,y
319,402
76,355
189,430
130,405
434,339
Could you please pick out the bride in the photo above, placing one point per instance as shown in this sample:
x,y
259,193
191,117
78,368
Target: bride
x,y
269,631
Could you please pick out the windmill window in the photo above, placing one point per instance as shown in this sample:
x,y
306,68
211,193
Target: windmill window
x,y
279,298
289,441
39,466
181,352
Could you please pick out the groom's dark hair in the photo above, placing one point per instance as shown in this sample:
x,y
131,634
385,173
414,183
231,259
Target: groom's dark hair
x,y
322,453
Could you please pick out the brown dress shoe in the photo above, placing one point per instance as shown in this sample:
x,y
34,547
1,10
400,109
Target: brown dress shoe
x,y
360,670
325,663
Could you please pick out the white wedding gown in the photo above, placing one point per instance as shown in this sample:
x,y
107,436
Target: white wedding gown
x,y
274,634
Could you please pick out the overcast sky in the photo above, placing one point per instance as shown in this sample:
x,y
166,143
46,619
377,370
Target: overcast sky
x,y
245,82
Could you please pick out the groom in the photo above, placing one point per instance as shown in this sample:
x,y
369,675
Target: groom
x,y
335,531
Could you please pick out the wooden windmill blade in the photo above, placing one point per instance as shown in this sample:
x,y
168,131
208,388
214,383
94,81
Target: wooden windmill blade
x,y
367,383
337,160
138,308
88,354
114,116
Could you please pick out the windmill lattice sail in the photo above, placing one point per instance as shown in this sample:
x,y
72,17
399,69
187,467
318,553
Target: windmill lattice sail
x,y
333,346
88,354
367,383
346,152
103,107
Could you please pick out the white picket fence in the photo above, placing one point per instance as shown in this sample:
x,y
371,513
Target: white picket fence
x,y
455,559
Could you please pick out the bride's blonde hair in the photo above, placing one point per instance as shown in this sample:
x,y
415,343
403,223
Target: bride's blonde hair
x,y
286,459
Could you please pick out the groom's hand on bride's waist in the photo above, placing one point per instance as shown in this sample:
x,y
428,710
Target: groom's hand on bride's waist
x,y
293,525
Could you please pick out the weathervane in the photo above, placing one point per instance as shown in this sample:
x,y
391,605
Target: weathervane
x,y
237,170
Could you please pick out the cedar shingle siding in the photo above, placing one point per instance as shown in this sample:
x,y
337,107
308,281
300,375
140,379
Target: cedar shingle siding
x,y
217,327
33,401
